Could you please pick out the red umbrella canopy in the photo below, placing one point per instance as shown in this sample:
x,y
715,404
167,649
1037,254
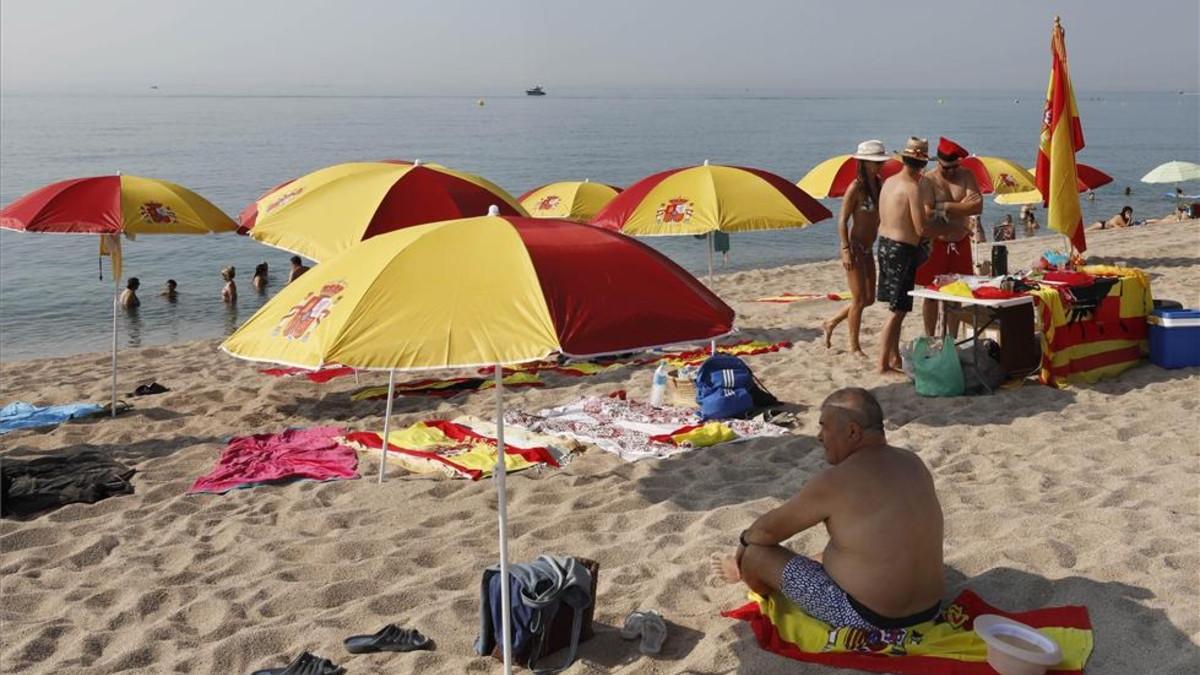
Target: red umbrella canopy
x,y
1090,177
114,205
477,291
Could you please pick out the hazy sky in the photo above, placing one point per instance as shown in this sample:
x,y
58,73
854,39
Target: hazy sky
x,y
475,46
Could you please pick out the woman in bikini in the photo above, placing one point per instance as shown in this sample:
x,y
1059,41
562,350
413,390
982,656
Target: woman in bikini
x,y
860,203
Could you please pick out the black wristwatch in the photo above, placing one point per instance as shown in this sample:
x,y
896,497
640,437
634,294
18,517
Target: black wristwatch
x,y
742,539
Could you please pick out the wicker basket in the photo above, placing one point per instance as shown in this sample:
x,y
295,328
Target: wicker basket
x,y
681,391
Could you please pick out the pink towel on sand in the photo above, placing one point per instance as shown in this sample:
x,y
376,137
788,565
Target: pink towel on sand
x,y
310,454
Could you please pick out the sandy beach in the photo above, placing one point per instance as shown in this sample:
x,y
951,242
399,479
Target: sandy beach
x,y
1085,496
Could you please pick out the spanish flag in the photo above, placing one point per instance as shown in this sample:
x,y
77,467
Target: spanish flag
x,y
1062,137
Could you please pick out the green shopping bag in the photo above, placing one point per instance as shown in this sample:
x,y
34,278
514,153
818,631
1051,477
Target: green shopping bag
x,y
936,369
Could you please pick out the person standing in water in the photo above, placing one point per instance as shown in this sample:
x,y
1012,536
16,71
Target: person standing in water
x,y
860,204
298,268
170,291
129,298
229,292
259,280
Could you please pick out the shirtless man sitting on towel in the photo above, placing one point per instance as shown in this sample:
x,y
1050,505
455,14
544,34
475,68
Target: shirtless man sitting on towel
x,y
882,568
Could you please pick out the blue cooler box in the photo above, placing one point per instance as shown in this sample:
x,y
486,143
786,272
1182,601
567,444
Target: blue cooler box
x,y
1174,337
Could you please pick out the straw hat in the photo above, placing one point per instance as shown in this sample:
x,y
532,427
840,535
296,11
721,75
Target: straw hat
x,y
871,151
917,148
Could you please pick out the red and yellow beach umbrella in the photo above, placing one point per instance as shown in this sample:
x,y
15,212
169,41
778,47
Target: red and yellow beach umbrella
x,y
492,290
325,212
707,198
832,177
573,200
1088,178
995,175
112,206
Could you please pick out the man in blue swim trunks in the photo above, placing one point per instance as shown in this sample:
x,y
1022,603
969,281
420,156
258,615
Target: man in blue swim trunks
x,y
882,567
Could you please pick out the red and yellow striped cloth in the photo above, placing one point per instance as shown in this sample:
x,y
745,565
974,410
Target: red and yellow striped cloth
x,y
1111,341
948,645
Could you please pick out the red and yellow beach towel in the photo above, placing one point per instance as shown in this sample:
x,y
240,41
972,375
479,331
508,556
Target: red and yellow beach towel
x,y
674,359
441,446
789,298
948,645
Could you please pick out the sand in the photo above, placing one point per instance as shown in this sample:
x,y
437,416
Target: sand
x,y
1080,496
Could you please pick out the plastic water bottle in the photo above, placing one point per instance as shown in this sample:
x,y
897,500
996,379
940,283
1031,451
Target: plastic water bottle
x,y
659,387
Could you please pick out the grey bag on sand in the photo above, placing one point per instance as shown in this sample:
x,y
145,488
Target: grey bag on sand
x,y
989,375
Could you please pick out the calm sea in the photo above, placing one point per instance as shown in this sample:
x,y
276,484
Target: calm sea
x,y
230,148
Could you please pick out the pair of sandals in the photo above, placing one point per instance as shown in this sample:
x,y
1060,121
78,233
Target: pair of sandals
x,y
650,627
390,638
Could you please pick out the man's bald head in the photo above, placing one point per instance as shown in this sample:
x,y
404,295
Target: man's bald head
x,y
857,405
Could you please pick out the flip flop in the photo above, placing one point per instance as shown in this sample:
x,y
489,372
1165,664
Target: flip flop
x,y
390,638
305,664
149,389
632,629
654,633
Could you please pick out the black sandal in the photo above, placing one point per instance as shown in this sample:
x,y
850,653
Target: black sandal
x,y
390,638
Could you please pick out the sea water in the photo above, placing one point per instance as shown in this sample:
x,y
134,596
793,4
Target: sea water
x,y
231,148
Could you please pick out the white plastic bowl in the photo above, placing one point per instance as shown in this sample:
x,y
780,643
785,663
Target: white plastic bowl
x,y
1016,649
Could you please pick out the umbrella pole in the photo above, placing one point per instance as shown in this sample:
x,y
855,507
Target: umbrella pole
x,y
710,258
502,509
116,305
387,419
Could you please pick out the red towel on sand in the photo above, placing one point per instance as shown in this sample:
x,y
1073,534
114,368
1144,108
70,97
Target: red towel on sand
x,y
293,454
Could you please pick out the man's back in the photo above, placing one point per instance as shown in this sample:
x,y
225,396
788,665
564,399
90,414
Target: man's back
x,y
896,199
885,531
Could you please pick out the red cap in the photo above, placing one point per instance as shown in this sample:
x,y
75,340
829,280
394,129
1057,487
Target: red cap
x,y
951,151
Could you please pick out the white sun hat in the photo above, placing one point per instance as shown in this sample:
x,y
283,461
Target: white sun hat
x,y
871,151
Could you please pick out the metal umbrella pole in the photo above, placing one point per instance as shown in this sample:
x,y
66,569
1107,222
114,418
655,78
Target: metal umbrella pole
x,y
502,509
387,419
116,305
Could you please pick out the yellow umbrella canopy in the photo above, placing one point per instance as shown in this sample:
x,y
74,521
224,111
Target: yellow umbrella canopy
x,y
329,210
707,198
573,200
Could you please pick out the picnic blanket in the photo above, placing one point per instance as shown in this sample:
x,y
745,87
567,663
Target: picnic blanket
x,y
788,298
459,450
294,454
318,376
22,415
947,645
633,430
32,486
446,388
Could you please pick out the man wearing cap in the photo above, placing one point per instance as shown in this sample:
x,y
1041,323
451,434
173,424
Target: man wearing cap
x,y
906,202
956,198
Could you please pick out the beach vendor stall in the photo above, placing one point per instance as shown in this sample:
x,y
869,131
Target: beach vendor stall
x,y
1092,320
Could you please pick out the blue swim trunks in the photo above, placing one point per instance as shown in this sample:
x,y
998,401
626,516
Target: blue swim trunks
x,y
806,583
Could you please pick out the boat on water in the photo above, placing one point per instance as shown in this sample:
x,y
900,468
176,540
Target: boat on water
x,y
536,91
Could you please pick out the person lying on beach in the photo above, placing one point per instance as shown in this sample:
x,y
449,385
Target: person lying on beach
x,y
170,292
1179,215
1005,230
129,298
882,567
259,280
229,292
298,268
1122,219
